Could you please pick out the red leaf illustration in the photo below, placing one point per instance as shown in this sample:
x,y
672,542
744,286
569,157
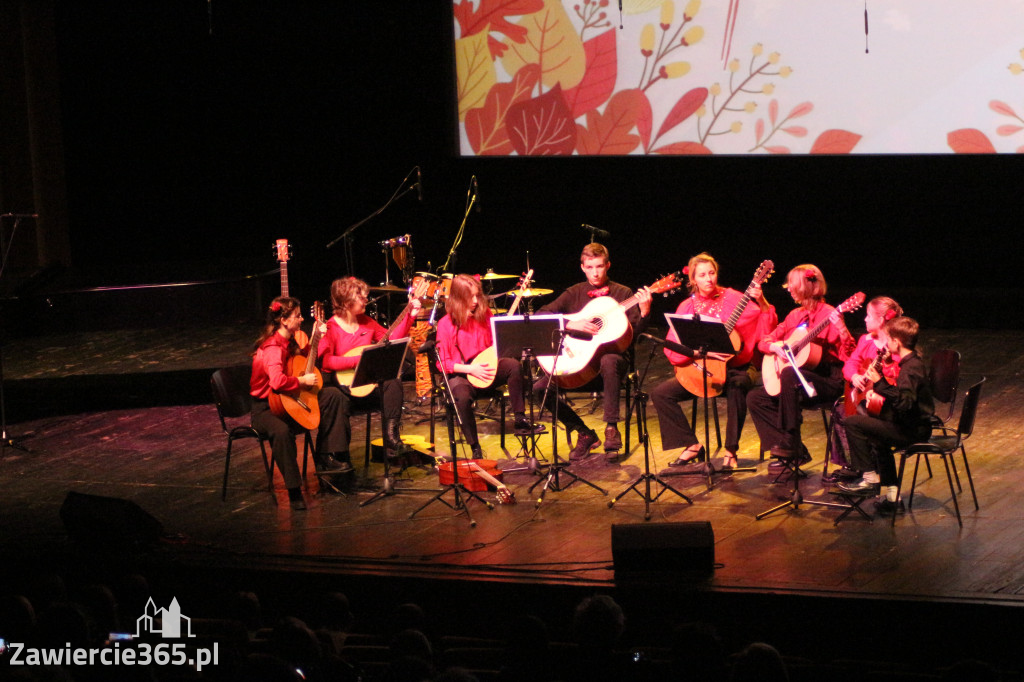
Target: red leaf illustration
x,y
758,130
683,148
683,109
801,110
645,120
795,131
773,111
492,13
835,142
969,141
542,126
599,78
777,150
1008,130
1020,150
1002,108
485,126
608,133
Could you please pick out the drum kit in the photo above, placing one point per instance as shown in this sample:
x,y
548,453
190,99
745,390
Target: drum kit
x,y
439,286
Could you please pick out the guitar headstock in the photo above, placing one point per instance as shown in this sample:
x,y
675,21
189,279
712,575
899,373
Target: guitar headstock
x,y
764,272
317,311
852,303
283,250
667,283
525,281
504,495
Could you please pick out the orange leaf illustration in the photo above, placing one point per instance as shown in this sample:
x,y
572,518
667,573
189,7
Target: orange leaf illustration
x,y
683,148
599,78
801,110
552,42
835,141
795,131
1008,130
969,141
759,130
608,133
773,111
683,109
777,150
474,71
485,126
1002,108
542,126
645,120
492,13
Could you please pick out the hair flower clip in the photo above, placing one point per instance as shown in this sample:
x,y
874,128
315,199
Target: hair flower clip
x,y
889,314
810,276
686,270
276,306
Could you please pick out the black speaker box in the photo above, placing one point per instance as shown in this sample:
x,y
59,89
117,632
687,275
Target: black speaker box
x,y
662,552
108,522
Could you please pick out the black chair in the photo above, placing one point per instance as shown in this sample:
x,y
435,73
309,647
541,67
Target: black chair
x,y
230,387
944,379
945,445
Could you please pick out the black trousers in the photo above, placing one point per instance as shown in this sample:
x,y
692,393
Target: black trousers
x,y
872,441
614,367
676,431
778,418
509,372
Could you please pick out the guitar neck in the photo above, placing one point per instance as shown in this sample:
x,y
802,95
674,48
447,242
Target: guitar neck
x,y
314,343
284,279
734,317
811,335
398,320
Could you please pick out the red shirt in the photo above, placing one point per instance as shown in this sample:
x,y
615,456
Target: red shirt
x,y
836,346
336,342
862,357
269,368
462,344
751,326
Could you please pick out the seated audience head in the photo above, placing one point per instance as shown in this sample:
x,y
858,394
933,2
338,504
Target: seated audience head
x,y
598,622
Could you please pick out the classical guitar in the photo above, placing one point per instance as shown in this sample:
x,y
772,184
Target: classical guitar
x,y
854,396
344,377
691,375
580,359
804,352
475,475
284,253
303,405
489,355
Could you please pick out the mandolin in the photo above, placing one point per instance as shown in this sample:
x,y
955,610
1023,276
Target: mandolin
x,y
691,375
489,355
344,377
804,352
580,359
855,396
303,405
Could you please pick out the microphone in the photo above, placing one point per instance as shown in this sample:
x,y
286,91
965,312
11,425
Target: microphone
x,y
476,193
671,345
576,334
596,231
419,183
19,215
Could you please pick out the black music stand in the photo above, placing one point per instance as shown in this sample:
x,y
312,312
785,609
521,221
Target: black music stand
x,y
523,337
642,434
704,335
379,363
558,467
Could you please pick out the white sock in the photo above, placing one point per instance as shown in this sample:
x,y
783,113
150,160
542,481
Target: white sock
x,y
871,477
890,492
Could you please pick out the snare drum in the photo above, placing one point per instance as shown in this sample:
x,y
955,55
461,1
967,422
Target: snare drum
x,y
434,282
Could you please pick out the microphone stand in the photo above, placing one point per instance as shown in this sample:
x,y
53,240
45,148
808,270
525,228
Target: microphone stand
x,y
347,234
6,440
452,256
640,403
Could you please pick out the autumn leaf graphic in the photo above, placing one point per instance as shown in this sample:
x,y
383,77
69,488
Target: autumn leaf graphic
x,y
552,43
598,82
490,16
485,126
542,126
970,141
609,133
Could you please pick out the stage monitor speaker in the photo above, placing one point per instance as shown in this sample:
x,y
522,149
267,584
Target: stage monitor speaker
x,y
108,522
662,552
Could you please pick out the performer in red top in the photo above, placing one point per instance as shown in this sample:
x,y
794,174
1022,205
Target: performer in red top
x,y
272,350
708,299
462,335
349,328
778,418
595,263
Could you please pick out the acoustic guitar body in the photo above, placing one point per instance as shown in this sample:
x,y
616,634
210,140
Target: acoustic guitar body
x,y
304,405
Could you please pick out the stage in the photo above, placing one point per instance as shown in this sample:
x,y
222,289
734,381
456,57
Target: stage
x,y
169,460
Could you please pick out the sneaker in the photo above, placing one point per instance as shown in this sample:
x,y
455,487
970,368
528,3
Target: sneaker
x,y
860,486
887,508
585,442
524,427
612,438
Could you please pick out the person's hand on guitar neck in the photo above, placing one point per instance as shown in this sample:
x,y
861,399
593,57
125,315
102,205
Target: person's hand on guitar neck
x,y
643,299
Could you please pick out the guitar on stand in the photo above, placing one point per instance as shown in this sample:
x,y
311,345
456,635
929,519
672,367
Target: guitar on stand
x,y
800,350
284,254
303,406
489,355
855,397
344,377
580,359
692,375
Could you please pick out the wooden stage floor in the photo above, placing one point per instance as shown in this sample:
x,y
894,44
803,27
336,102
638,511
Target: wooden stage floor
x,y
169,460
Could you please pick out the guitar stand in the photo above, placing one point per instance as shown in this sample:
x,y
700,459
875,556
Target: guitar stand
x,y
640,402
796,498
461,495
388,487
558,467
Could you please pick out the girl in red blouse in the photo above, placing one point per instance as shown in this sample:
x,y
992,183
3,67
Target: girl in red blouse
x,y
349,328
778,418
461,336
272,351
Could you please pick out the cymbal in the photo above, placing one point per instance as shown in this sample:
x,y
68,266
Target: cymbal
x,y
493,275
390,288
530,293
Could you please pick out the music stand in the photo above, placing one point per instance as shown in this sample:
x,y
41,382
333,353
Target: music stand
x,y
379,363
704,335
524,337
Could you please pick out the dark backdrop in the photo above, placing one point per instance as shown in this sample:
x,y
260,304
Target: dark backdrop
x,y
190,152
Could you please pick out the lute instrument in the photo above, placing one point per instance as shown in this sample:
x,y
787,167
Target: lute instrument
x,y
489,355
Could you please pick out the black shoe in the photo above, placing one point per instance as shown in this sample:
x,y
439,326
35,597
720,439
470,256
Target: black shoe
x,y
612,438
696,459
477,453
327,462
523,427
295,499
585,442
887,508
847,473
859,487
